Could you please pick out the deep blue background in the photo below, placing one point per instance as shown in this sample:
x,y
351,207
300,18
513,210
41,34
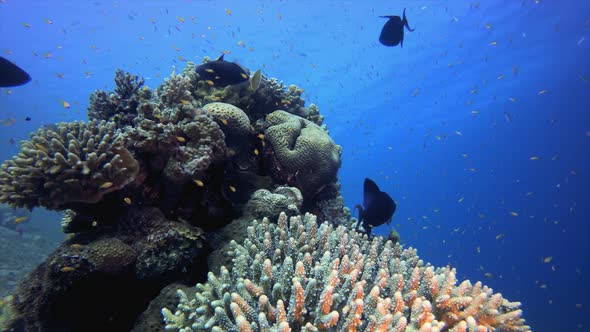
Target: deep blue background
x,y
404,116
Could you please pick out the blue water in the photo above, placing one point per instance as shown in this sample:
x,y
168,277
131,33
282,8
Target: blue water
x,y
451,125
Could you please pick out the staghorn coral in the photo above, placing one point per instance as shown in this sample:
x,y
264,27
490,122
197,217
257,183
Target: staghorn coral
x,y
71,163
299,277
305,155
119,106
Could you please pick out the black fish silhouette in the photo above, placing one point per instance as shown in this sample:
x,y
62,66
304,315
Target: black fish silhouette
x,y
378,207
220,73
393,31
11,74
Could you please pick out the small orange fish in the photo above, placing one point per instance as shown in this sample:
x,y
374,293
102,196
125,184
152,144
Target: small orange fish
x,y
256,151
47,55
210,82
180,139
514,213
261,136
209,70
199,183
67,269
21,219
228,12
76,245
185,102
224,121
180,19
48,21
244,76
232,188
127,200
106,185
65,104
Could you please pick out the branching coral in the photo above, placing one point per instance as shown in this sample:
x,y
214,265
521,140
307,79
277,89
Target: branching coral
x,y
73,162
298,277
120,106
306,155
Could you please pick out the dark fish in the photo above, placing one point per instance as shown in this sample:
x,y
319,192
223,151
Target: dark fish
x,y
393,31
28,118
11,74
378,207
220,73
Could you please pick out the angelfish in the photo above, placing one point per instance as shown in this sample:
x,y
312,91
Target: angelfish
x,y
393,30
378,207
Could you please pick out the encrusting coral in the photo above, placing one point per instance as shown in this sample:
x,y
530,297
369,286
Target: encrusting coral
x,y
298,277
305,155
69,163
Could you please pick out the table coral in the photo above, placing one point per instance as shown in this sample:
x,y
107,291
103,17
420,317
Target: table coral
x,y
297,276
68,163
305,154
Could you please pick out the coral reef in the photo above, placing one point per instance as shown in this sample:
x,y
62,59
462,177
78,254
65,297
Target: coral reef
x,y
303,278
160,184
71,163
80,285
304,154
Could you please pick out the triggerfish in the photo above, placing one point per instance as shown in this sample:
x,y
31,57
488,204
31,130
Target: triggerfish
x,y
393,31
11,74
221,73
378,207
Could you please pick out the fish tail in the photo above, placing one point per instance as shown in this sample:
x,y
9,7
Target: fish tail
x,y
405,21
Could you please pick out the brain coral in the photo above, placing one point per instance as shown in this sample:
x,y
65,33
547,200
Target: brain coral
x,y
232,120
73,162
304,151
298,277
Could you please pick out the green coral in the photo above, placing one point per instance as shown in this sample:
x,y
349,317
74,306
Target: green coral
x,y
303,150
70,163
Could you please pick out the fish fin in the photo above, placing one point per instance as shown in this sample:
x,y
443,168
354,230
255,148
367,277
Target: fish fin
x,y
387,16
255,80
370,191
220,58
361,216
405,21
